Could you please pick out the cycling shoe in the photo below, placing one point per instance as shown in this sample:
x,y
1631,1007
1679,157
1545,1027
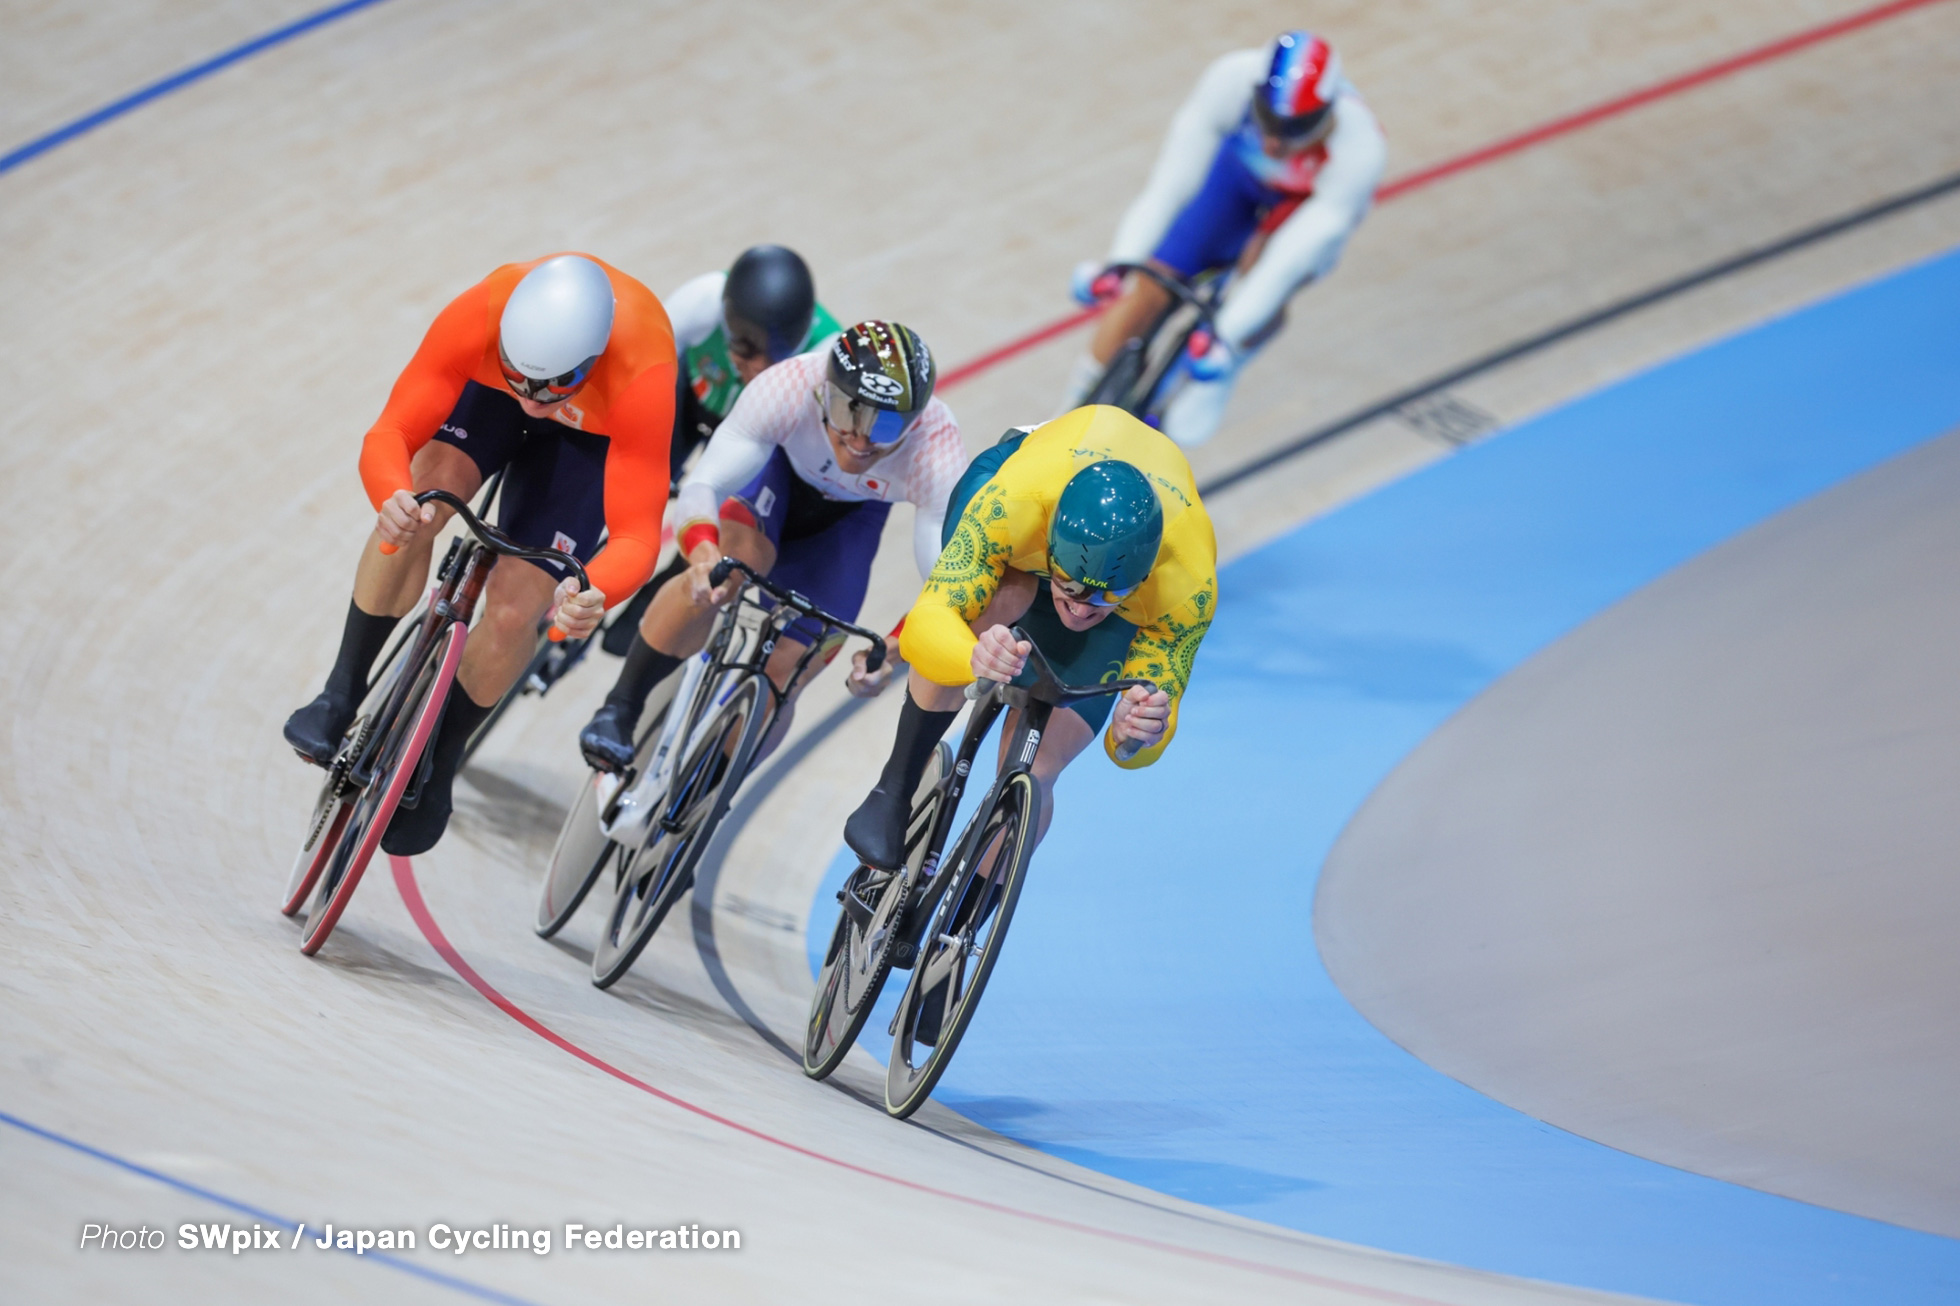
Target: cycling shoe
x,y
607,740
315,731
876,830
415,830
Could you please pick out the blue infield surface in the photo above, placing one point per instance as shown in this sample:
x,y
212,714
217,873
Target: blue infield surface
x,y
1161,1013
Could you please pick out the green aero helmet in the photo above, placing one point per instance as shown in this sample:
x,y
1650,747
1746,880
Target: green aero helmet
x,y
1104,536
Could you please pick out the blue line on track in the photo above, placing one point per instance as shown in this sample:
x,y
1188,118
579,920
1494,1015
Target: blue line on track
x,y
178,80
259,1213
1162,1014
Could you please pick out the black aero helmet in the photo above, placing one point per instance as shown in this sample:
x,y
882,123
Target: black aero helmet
x,y
768,302
879,380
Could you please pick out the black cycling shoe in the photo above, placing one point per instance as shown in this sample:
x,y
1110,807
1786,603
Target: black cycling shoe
x,y
315,731
876,830
607,740
415,830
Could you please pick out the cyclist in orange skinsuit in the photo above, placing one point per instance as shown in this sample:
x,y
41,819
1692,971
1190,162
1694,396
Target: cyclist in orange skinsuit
x,y
562,372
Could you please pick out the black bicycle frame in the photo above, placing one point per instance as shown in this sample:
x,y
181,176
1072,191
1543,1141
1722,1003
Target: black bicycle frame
x,y
1037,701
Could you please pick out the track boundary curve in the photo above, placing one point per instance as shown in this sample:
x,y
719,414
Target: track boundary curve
x,y
425,921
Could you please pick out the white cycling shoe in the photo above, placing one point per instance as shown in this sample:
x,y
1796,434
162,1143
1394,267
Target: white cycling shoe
x,y
1194,412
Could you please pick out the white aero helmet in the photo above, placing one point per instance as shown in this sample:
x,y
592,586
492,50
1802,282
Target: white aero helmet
x,y
557,320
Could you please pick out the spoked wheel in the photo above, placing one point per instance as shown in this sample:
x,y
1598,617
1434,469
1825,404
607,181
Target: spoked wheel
x,y
698,794
960,946
583,850
400,751
859,958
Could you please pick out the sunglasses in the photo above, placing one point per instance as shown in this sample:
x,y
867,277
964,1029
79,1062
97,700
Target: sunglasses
x,y
1075,590
550,390
880,426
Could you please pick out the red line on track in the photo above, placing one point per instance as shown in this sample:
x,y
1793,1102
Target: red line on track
x,y
1510,145
418,909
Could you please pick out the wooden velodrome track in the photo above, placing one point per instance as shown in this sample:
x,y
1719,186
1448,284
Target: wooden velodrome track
x,y
203,305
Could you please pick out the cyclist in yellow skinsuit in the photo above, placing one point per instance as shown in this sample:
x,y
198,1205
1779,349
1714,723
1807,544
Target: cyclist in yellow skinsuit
x,y
1086,532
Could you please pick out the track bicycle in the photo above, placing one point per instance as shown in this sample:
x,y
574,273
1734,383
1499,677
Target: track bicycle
x,y
653,824
946,919
384,758
1138,377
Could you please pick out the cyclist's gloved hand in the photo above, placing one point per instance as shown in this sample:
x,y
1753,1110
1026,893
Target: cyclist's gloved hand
x,y
1092,283
401,519
999,656
863,684
1215,363
578,613
1140,717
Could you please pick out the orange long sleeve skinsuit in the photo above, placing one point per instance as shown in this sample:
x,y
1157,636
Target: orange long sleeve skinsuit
x,y
628,399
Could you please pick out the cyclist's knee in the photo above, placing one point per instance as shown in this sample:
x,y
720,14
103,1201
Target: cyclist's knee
x,y
931,696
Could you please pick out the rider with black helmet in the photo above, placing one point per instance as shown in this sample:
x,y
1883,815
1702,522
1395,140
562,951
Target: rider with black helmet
x,y
730,325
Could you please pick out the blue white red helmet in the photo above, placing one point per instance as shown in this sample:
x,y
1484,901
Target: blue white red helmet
x,y
1298,92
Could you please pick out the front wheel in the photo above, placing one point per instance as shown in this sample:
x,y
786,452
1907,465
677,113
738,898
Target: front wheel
x,y
699,790
859,958
960,946
400,750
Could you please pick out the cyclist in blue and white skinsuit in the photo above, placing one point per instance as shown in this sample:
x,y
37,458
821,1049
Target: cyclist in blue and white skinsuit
x,y
1268,168
797,482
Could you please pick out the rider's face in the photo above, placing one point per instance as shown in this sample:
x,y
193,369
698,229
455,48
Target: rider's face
x,y
854,453
1278,147
532,408
1077,615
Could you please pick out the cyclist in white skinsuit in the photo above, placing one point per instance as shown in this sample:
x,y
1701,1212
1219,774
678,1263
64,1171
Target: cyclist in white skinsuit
x,y
1268,168
797,483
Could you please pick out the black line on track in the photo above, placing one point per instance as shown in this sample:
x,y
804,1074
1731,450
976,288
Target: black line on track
x,y
709,873
1579,325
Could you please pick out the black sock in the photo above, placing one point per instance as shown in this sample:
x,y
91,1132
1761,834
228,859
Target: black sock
x,y
361,642
461,715
919,732
646,666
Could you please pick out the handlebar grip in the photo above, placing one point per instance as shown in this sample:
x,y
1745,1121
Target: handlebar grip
x,y
875,656
389,550
555,635
720,572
